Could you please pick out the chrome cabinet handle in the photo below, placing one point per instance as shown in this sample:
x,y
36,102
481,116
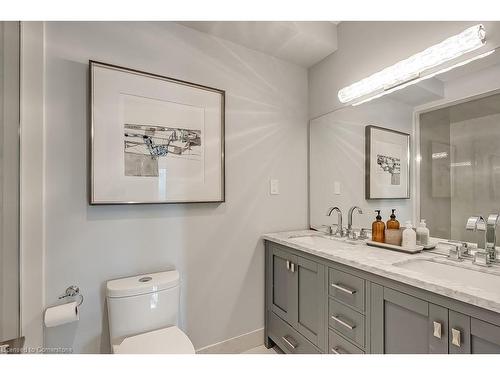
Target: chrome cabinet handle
x,y
456,336
437,330
289,343
345,324
293,267
287,264
336,350
343,288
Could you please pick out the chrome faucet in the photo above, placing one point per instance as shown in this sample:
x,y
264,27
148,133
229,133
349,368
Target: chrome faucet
x,y
340,230
491,238
350,232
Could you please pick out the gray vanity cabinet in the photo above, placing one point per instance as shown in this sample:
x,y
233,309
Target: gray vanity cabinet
x,y
469,335
484,337
296,289
283,291
315,305
403,324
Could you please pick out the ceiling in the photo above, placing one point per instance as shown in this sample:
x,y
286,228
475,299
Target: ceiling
x,y
303,43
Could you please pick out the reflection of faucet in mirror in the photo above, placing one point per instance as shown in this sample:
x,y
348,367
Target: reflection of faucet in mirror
x,y
474,224
487,252
491,239
340,230
350,232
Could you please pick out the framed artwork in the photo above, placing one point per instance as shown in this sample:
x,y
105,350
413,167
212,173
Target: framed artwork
x,y
154,139
387,163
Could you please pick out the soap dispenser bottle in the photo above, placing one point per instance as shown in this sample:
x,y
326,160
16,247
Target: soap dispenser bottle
x,y
378,229
409,237
392,223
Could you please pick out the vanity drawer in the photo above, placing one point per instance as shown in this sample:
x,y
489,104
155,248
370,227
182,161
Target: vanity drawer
x,y
347,288
339,345
348,322
288,338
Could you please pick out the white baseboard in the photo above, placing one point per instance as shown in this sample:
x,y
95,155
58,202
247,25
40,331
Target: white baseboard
x,y
235,345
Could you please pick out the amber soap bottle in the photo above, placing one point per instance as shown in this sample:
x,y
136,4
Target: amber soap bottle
x,y
392,223
378,229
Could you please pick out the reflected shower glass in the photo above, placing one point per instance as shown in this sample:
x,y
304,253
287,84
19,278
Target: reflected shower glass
x,y
460,166
9,180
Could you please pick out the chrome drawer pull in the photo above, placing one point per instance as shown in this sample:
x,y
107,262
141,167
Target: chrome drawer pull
x,y
336,350
343,288
345,324
437,330
287,341
456,337
287,264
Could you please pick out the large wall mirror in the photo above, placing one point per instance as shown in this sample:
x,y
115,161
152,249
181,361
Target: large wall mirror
x,y
459,164
453,121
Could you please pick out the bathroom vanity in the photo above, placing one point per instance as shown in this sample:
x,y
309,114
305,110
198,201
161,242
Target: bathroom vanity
x,y
333,295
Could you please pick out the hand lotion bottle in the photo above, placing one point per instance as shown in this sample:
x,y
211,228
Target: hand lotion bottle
x,y
409,237
378,229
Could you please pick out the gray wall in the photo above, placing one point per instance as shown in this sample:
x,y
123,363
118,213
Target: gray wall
x,y
215,247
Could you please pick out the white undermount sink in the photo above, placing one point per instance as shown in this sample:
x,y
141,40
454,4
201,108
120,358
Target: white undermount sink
x,y
321,241
489,282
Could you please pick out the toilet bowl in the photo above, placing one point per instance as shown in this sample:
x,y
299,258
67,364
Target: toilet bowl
x,y
143,315
170,340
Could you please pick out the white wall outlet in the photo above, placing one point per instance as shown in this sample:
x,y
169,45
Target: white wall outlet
x,y
336,188
274,187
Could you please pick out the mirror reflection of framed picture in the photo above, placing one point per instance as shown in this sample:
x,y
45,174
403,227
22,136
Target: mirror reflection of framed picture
x,y
154,139
387,163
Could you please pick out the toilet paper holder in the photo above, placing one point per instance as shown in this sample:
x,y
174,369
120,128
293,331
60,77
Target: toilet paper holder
x,y
72,291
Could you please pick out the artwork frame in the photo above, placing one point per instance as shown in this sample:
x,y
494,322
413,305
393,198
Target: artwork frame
x,y
190,143
387,163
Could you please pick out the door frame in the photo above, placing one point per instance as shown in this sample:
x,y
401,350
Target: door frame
x,y
31,199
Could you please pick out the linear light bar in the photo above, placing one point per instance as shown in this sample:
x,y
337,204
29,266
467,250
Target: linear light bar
x,y
412,67
420,79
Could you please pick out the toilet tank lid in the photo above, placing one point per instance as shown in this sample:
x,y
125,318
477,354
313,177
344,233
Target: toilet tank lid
x,y
142,284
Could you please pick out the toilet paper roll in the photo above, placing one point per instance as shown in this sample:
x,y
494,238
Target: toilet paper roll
x,y
61,314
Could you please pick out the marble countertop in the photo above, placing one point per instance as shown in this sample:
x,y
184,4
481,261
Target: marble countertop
x,y
387,263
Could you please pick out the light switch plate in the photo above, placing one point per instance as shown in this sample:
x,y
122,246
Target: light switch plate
x,y
274,187
336,188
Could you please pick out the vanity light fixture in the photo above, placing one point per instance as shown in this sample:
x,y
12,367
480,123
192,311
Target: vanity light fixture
x,y
410,71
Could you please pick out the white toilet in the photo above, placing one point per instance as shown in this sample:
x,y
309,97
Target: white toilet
x,y
143,312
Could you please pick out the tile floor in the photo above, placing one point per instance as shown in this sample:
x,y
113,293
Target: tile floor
x,y
261,350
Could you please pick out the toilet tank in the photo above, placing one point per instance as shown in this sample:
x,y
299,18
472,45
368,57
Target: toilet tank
x,y
142,303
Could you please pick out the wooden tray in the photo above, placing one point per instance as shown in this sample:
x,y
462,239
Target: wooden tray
x,y
401,249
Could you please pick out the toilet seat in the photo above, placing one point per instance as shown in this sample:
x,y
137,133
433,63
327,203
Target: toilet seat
x,y
170,340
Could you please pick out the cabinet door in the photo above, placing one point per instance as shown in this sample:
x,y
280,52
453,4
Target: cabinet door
x,y
459,333
311,301
283,285
407,325
485,337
